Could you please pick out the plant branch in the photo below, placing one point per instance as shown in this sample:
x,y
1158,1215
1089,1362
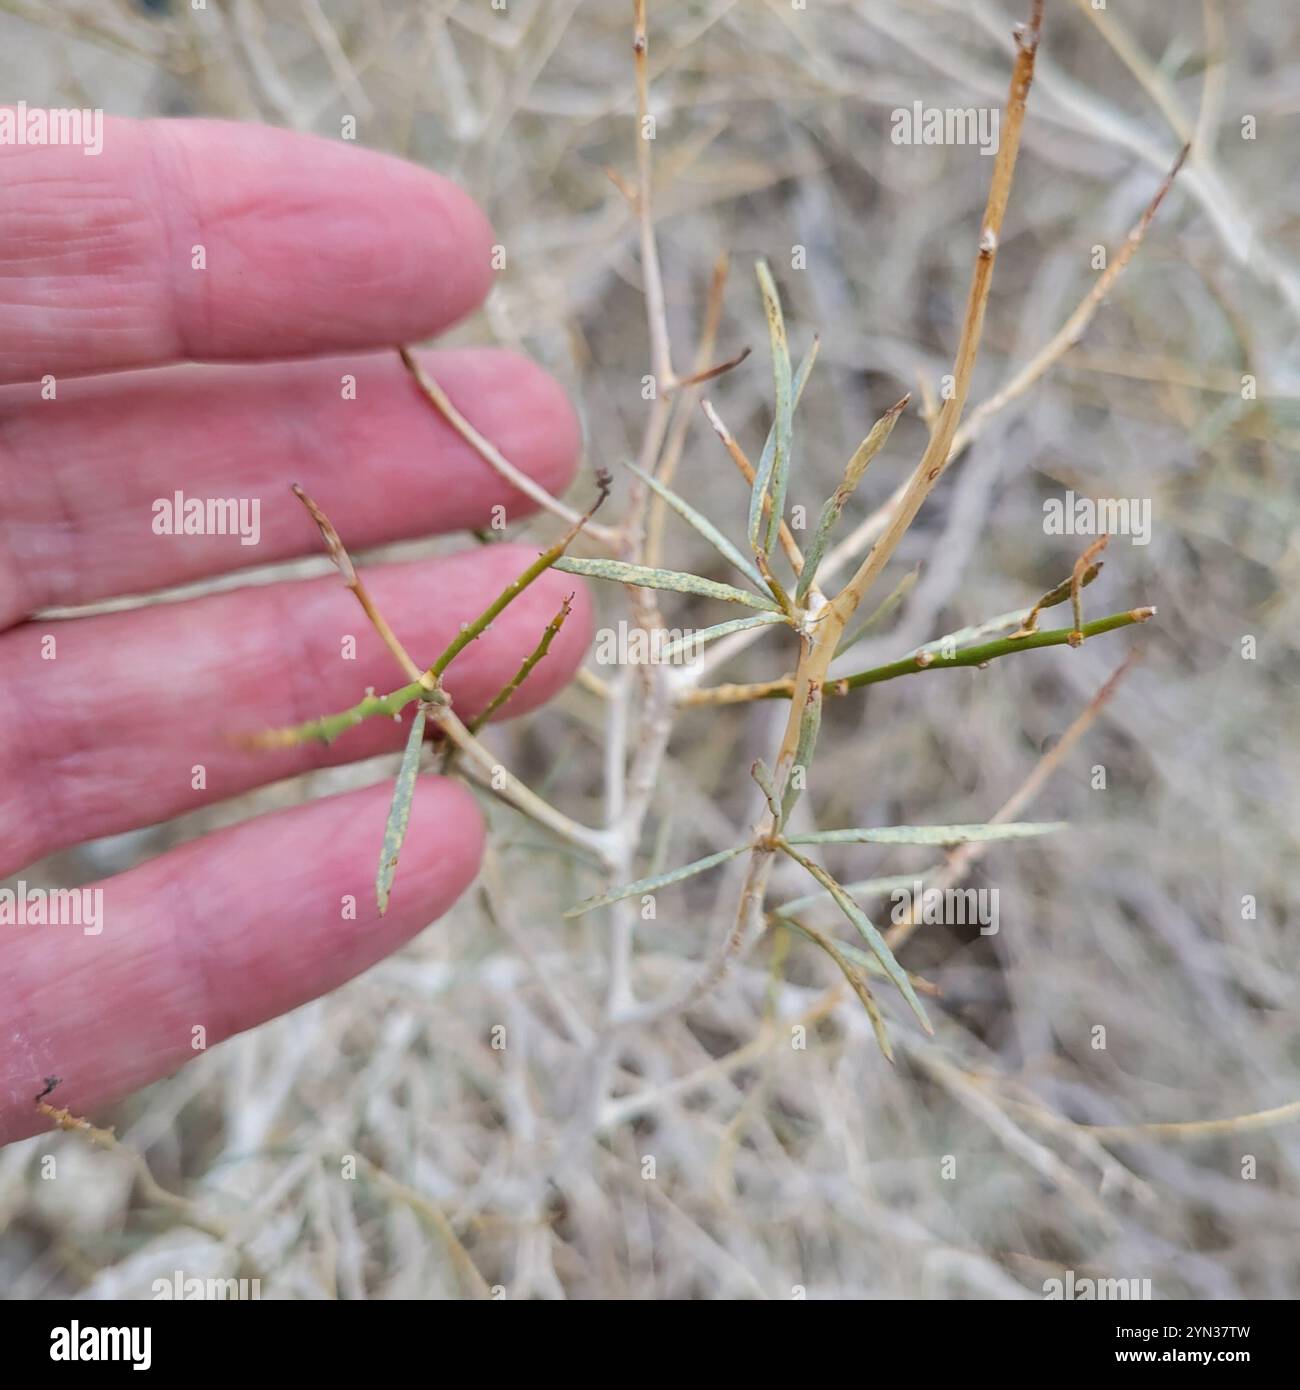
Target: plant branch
x,y
1071,332
507,596
343,562
652,276
1062,341
526,667
328,727
924,660
492,456
937,452
746,469
683,408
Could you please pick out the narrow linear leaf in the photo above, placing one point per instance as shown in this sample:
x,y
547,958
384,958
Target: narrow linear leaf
x,y
763,474
835,503
845,958
809,728
703,525
883,954
929,834
856,954
674,580
399,813
863,888
656,881
784,421
762,774
333,544
711,634
863,991
882,610
976,632
869,934
864,960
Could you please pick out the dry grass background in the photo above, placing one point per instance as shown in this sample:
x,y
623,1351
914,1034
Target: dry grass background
x,y
775,1167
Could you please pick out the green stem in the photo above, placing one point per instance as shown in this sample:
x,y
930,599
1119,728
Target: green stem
x,y
544,561
330,726
525,669
470,631
986,652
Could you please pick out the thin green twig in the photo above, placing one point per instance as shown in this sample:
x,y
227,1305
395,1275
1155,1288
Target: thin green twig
x,y
525,668
507,596
923,660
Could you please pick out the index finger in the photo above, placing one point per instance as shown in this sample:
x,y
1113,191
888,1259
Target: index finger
x,y
213,241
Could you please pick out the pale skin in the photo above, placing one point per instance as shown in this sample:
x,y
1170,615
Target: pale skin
x,y
319,257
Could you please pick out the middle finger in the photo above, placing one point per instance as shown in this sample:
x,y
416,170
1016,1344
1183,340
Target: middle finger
x,y
81,476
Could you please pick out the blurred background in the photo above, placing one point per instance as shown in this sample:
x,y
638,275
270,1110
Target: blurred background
x,y
728,1161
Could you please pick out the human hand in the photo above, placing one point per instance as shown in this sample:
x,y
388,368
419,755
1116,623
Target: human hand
x,y
310,250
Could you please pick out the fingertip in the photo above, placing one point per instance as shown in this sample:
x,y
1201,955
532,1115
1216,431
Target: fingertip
x,y
463,238
364,247
220,935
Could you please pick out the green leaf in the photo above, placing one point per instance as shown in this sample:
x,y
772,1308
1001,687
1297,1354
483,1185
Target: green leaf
x,y
863,991
835,503
883,609
763,473
762,774
869,934
860,957
865,887
853,963
809,727
399,813
656,881
674,580
782,425
882,953
711,634
929,834
704,526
